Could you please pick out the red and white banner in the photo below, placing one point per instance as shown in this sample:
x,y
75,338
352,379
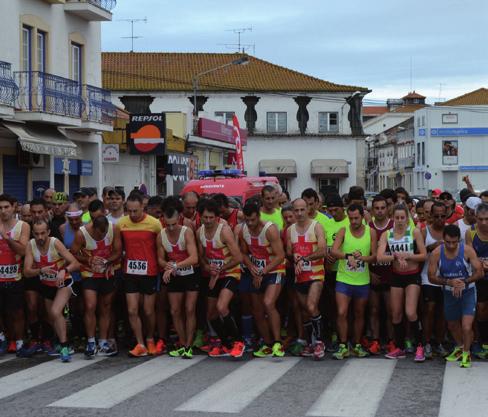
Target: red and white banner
x,y
237,138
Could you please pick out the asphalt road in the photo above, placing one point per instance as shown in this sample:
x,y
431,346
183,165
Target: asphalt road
x,y
223,387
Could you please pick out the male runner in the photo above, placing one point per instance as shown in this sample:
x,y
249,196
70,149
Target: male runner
x,y
269,210
116,205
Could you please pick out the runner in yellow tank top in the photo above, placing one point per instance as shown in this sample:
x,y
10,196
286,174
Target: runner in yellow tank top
x,y
355,247
270,211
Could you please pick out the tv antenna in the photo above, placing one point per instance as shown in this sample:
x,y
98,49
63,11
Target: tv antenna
x,y
239,45
132,37
440,91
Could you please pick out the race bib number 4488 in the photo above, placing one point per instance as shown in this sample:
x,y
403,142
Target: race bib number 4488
x,y
135,267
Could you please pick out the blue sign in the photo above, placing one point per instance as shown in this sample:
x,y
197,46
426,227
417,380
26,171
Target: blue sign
x,y
473,167
459,131
428,176
86,168
73,166
421,132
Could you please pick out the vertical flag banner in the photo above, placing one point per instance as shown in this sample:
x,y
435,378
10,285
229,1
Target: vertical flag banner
x,y
237,139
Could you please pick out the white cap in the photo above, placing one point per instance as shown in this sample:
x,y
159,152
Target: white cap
x,y
473,202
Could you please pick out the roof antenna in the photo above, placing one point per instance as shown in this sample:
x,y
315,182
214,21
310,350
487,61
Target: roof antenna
x,y
132,37
238,31
440,91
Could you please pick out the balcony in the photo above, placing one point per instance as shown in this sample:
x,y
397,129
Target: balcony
x,y
8,90
92,10
408,162
99,112
48,98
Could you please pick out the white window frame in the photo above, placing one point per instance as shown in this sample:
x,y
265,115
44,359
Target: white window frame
x,y
276,115
76,62
327,127
41,51
26,48
226,116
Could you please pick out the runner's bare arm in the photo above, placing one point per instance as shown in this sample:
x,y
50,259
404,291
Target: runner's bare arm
x,y
476,265
381,255
274,239
29,271
321,245
433,268
72,263
19,246
229,239
421,256
374,245
336,247
191,248
161,252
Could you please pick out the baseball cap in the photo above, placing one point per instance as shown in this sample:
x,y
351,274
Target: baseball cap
x,y
334,200
60,197
473,202
436,192
464,194
85,191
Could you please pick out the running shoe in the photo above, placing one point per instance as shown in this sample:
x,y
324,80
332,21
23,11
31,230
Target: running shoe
x,y
188,353
333,345
177,352
409,348
455,355
390,346
263,352
237,350
55,350
90,350
36,346
465,360
248,344
65,354
24,352
160,347
151,347
218,352
397,353
212,342
419,354
3,346
307,351
278,350
12,347
107,350
428,351
359,351
342,352
476,348
47,346
319,350
199,339
138,351
483,353
374,347
364,342
296,348
441,350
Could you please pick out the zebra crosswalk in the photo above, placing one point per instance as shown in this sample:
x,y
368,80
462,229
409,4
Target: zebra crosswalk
x,y
202,386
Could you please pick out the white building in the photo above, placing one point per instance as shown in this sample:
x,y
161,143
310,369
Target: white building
x,y
298,126
52,108
451,141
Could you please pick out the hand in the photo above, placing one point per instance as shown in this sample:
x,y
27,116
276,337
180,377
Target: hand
x,y
466,180
60,278
352,261
457,292
485,265
167,276
357,255
458,283
212,282
255,271
170,266
48,270
214,268
256,281
298,267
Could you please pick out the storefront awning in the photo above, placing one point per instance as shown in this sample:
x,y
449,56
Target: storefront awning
x,y
278,167
331,168
47,140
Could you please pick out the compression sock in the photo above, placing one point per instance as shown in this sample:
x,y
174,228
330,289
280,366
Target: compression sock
x,y
308,329
317,327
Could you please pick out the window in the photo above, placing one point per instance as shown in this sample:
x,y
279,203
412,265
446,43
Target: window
x,y
276,122
284,184
226,116
423,153
76,63
41,51
328,185
328,122
418,153
26,49
423,120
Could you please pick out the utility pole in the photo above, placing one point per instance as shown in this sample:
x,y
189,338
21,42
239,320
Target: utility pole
x,y
132,37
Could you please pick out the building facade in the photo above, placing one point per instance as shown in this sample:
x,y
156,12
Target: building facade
x,y
52,107
305,131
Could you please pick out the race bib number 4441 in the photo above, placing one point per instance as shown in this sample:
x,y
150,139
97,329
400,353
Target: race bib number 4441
x,y
136,267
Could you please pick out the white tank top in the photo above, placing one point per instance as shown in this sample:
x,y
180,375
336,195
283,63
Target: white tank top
x,y
429,240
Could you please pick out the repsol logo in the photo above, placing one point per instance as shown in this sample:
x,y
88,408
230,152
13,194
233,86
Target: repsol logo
x,y
148,118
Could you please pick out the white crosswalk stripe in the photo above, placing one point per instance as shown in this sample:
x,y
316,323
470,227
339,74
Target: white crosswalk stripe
x,y
7,359
253,379
356,390
40,374
125,385
464,391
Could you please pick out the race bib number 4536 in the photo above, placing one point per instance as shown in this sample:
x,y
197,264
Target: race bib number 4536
x,y
136,267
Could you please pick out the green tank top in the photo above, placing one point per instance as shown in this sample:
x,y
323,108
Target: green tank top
x,y
345,273
275,218
333,228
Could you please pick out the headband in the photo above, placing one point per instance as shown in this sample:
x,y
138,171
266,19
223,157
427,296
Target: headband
x,y
74,213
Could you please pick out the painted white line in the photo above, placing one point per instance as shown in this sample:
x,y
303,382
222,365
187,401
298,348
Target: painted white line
x,y
356,390
40,374
7,359
125,385
464,391
249,381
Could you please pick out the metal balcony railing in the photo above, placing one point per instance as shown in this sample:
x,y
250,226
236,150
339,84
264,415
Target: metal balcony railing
x,y
48,93
107,5
9,90
98,108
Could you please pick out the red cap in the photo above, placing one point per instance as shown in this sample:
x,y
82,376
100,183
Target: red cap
x,y
459,210
436,192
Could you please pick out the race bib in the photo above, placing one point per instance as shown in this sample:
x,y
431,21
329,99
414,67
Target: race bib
x,y
218,262
307,266
401,247
258,263
188,270
9,271
136,267
48,276
361,266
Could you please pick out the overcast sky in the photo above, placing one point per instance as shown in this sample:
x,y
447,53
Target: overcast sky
x,y
370,43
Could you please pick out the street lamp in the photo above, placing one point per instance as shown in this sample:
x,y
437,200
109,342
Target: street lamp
x,y
244,60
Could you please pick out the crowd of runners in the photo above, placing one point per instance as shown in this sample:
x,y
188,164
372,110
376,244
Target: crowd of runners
x,y
177,275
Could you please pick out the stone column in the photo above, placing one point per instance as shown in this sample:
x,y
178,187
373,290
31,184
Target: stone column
x,y
250,116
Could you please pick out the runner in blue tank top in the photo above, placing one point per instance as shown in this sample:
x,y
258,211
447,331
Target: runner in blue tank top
x,y
456,267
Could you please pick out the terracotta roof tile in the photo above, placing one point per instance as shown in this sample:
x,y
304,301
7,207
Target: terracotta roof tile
x,y
161,71
474,98
374,110
413,94
409,108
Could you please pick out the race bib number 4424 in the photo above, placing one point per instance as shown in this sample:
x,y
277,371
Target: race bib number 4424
x,y
135,267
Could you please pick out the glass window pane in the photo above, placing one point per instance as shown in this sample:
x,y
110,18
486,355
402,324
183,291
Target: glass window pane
x,y
282,122
271,122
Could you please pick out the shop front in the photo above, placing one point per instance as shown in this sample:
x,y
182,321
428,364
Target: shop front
x,y
329,174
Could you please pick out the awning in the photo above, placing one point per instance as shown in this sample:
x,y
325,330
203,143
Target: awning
x,y
331,168
279,167
47,140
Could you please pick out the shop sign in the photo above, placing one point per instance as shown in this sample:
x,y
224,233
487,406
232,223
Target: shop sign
x,y
110,153
221,132
182,167
86,168
73,166
449,152
146,133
